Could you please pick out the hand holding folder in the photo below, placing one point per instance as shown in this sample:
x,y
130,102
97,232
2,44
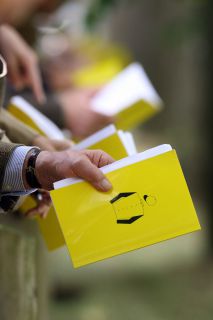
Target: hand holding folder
x,y
116,143
149,203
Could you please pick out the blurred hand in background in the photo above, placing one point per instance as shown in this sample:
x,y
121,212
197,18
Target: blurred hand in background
x,y
47,144
23,68
80,119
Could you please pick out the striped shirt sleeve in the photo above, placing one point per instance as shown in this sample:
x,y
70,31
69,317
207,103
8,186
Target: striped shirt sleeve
x,y
13,181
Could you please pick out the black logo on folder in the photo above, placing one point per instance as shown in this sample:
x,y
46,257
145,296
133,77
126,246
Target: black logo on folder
x,y
129,207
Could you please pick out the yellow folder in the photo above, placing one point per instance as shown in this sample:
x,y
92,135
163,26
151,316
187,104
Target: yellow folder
x,y
97,73
149,203
49,227
117,143
129,97
26,113
105,60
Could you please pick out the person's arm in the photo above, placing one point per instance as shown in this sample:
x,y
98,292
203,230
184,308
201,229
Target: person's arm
x,y
19,132
54,166
13,180
16,130
47,167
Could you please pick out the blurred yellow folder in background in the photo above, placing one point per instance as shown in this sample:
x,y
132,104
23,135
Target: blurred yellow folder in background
x,y
129,97
106,59
26,113
117,143
149,203
97,73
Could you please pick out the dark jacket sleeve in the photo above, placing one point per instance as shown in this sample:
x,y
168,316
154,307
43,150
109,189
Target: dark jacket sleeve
x,y
16,130
6,149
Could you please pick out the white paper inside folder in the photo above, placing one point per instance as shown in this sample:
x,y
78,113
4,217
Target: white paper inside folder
x,y
43,123
150,153
96,137
126,138
127,88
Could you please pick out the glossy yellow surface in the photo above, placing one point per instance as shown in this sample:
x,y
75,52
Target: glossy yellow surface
x,y
50,227
89,222
22,116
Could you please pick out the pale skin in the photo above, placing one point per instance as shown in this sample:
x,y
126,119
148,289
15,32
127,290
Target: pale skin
x,y
80,119
42,198
83,164
23,71
22,61
52,144
53,166
16,11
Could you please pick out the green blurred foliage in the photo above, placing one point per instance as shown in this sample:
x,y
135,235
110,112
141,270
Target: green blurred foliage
x,y
98,9
176,32
183,29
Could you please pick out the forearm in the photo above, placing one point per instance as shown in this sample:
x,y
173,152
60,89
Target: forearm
x,y
17,131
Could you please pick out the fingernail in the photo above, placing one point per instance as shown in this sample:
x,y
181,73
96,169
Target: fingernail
x,y
105,185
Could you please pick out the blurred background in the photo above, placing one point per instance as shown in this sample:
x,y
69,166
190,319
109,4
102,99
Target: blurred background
x,y
173,41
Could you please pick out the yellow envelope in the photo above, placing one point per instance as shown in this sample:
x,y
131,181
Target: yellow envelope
x,y
115,142
97,73
129,97
108,139
26,113
49,227
149,203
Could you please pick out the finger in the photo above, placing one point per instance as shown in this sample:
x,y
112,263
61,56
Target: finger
x,y
91,92
43,143
60,145
45,214
98,157
86,170
31,213
15,73
34,81
42,210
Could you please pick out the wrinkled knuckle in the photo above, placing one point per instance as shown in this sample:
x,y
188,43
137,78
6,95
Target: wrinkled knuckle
x,y
79,161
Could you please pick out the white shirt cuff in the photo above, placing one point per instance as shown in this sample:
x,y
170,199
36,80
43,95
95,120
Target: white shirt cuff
x,y
13,181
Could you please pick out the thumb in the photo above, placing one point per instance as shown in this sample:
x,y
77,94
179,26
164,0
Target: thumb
x,y
35,82
88,171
